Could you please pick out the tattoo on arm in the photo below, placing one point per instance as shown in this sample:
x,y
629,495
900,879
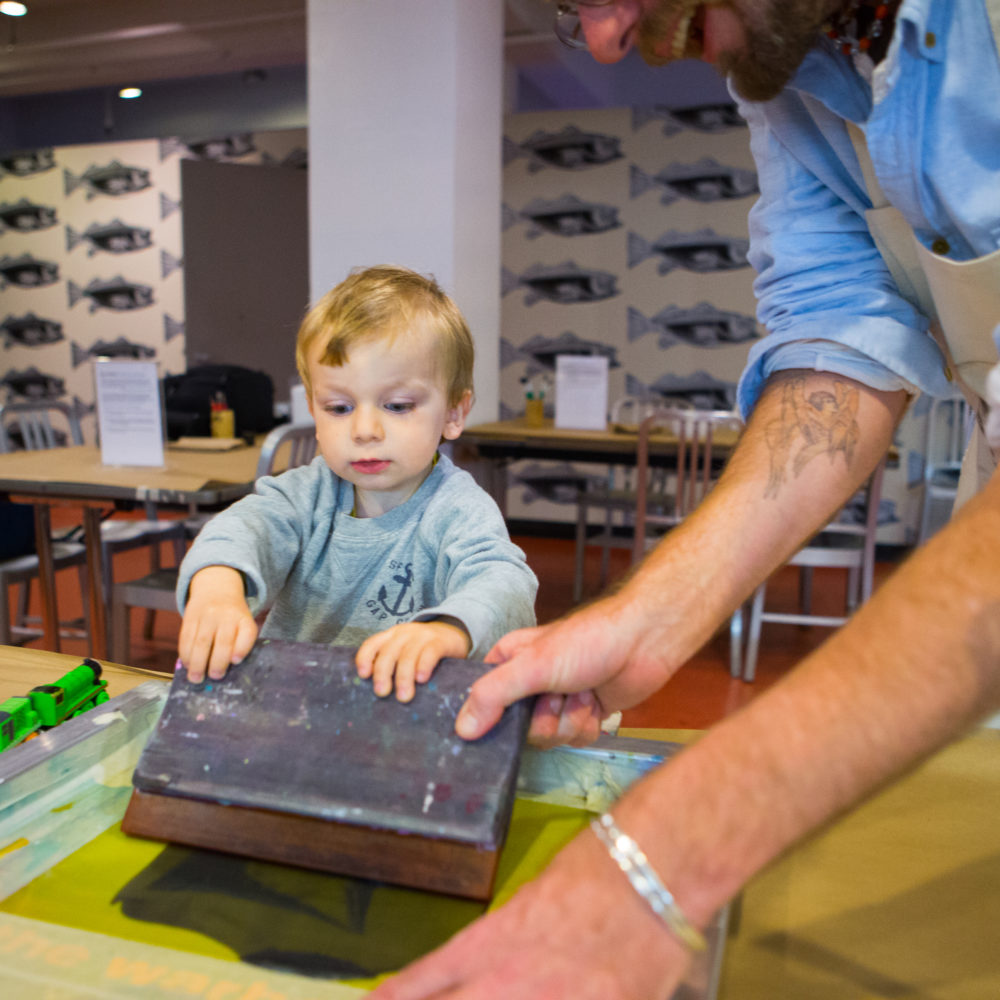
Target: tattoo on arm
x,y
820,422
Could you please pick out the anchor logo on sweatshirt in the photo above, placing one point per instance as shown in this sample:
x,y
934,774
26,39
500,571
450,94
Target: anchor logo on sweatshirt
x,y
404,580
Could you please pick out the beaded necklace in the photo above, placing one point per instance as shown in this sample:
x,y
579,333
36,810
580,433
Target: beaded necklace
x,y
861,28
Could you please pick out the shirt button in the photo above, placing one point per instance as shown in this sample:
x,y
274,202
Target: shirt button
x,y
940,246
930,39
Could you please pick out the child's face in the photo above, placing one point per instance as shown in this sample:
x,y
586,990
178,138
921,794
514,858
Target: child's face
x,y
380,416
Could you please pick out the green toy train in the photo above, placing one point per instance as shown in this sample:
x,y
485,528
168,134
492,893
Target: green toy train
x,y
45,706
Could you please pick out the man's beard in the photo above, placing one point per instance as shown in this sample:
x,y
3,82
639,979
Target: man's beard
x,y
776,41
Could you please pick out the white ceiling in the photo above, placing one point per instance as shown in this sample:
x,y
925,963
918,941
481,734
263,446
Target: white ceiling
x,y
76,44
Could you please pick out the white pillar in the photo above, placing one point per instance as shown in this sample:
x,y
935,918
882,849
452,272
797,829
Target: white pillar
x,y
405,123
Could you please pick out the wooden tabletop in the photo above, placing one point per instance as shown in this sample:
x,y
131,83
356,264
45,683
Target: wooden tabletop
x,y
612,437
187,476
22,668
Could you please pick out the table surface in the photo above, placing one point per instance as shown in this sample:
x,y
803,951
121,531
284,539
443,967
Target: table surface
x,y
23,668
187,476
900,898
610,438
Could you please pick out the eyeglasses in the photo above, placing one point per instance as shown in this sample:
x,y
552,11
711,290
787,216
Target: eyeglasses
x,y
567,23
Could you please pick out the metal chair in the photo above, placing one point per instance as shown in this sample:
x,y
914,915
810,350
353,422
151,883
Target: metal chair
x,y
700,459
949,423
34,427
845,543
616,501
45,424
654,495
284,448
20,571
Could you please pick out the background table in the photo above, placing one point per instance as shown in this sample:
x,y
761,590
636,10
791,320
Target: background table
x,y
487,449
76,476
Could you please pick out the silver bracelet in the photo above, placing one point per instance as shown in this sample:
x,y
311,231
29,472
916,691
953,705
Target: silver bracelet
x,y
633,862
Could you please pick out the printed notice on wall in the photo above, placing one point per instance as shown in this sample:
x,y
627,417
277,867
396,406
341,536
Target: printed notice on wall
x,y
581,392
129,413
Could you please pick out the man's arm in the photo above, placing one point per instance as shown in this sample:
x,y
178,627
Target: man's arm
x,y
812,441
914,667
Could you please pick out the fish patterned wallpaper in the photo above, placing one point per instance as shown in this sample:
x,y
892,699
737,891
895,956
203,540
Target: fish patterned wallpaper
x,y
625,235
91,257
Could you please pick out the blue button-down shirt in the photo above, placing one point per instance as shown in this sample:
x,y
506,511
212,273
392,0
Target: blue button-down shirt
x,y
931,116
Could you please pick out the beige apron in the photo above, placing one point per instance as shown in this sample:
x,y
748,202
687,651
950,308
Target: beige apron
x,y
960,298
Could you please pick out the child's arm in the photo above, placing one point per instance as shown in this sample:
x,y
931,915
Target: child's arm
x,y
218,628
409,653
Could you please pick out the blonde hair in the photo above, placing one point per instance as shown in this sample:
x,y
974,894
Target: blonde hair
x,y
385,301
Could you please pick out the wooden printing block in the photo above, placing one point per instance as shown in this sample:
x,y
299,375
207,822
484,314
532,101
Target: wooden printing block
x,y
292,758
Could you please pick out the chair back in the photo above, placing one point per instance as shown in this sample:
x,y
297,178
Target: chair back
x,y
704,439
949,423
300,440
869,498
34,423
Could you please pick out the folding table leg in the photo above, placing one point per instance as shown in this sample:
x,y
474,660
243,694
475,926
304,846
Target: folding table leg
x,y
95,590
46,576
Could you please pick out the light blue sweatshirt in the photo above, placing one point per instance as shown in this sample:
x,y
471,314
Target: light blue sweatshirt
x,y
327,576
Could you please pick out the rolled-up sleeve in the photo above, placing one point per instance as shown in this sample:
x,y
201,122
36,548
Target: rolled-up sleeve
x,y
825,295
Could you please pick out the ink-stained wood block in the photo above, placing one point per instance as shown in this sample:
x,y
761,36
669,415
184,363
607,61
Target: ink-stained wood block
x,y
292,758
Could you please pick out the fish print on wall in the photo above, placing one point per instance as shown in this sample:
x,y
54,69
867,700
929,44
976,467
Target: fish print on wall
x,y
710,118
703,325
27,271
541,352
558,483
33,384
112,293
169,263
227,147
172,327
564,216
26,162
30,330
91,248
706,180
569,149
25,216
565,283
699,390
114,179
120,348
110,237
702,251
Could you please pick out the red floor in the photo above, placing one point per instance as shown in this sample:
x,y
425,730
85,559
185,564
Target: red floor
x,y
701,693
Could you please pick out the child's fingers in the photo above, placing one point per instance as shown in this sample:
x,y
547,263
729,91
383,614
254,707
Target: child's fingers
x,y
246,636
429,658
386,662
364,659
222,651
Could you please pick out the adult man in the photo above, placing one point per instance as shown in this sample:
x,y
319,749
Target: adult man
x,y
845,292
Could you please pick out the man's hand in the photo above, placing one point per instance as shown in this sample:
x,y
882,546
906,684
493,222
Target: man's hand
x,y
587,666
577,932
218,628
409,653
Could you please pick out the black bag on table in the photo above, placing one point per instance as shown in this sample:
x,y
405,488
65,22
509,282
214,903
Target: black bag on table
x,y
188,400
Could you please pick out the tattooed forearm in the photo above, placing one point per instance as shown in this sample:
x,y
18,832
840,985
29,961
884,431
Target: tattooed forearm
x,y
810,423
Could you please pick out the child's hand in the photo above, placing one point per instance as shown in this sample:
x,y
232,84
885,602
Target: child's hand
x,y
409,652
218,628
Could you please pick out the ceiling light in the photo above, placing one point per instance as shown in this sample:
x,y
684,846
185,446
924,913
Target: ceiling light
x,y
127,93
13,9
